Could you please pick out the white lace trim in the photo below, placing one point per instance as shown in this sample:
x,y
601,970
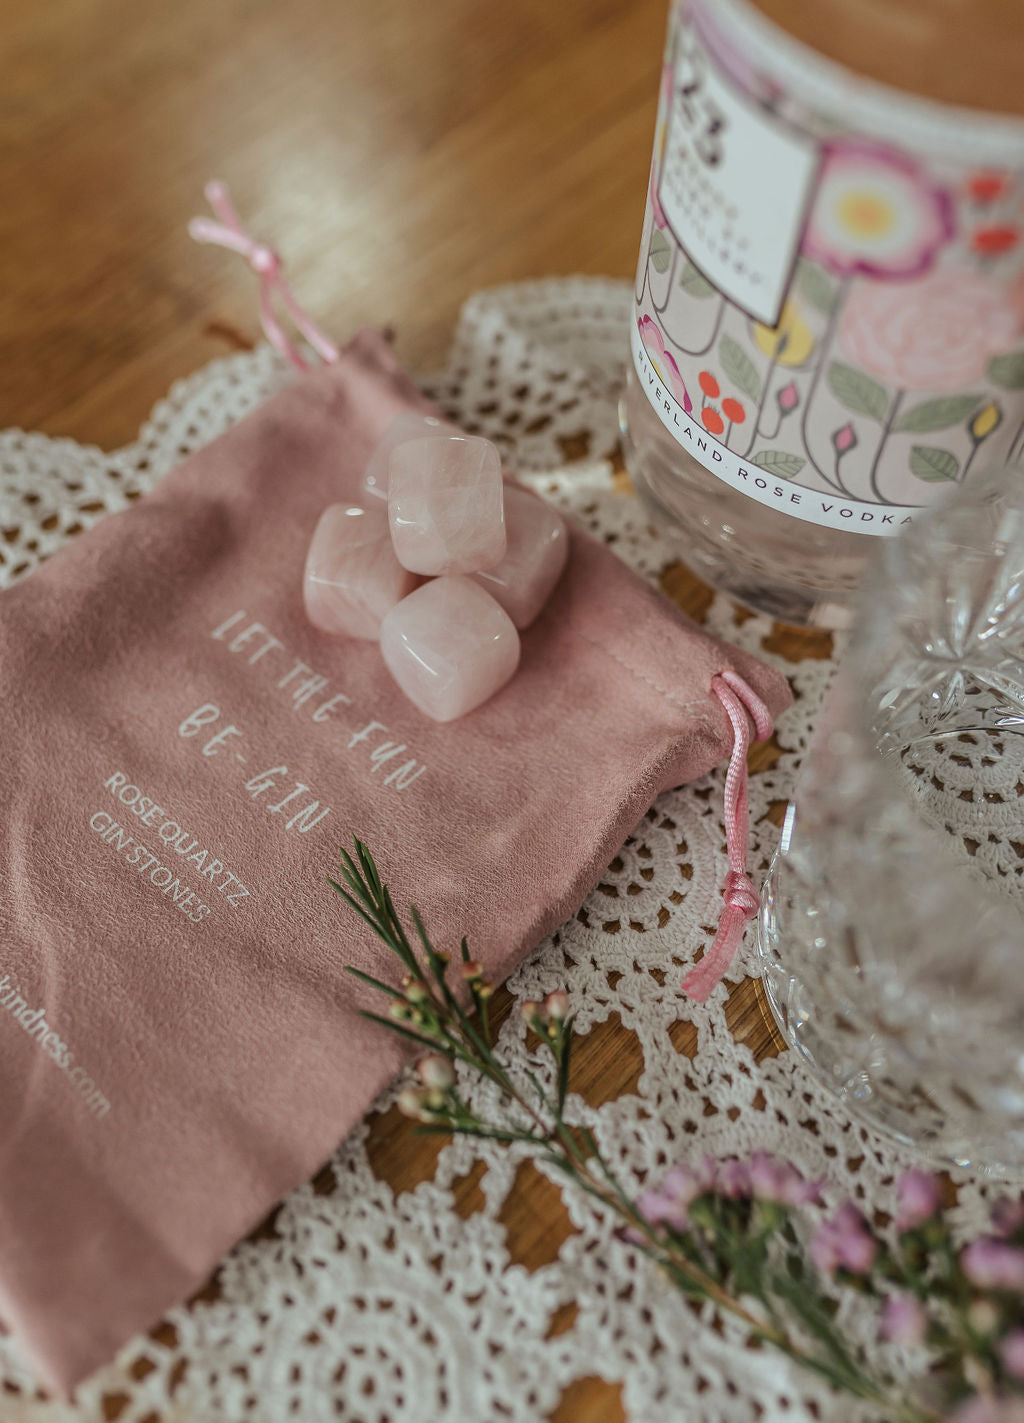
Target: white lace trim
x,y
370,1307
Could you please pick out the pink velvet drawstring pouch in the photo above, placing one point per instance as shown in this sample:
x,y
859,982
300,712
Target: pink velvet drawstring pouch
x,y
182,755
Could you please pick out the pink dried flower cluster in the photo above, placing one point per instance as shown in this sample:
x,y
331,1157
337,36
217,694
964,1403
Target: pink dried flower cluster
x,y
918,1198
993,1264
903,1321
684,1203
761,1177
669,1203
1008,1216
1011,1352
723,1230
845,1242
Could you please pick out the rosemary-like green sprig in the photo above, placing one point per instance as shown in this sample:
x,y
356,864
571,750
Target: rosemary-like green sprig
x,y
723,1231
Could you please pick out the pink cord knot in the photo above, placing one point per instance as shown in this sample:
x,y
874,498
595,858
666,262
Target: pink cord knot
x,y
739,893
264,260
742,705
228,232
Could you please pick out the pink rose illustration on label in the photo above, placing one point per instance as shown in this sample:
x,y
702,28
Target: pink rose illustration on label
x,y
664,362
936,333
876,214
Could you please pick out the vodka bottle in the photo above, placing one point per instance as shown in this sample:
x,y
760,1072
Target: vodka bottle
x,y
828,331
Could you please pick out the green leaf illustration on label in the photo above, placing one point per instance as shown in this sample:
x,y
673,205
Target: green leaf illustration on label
x,y
857,391
932,464
937,414
815,286
694,283
661,252
738,366
1008,370
779,462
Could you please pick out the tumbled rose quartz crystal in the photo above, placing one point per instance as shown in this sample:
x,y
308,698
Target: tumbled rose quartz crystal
x,y
537,547
352,575
446,505
406,426
449,646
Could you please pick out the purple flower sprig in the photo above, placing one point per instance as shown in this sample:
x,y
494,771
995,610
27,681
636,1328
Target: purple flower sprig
x,y
729,1231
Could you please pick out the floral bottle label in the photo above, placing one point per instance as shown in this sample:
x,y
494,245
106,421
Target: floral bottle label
x,y
830,296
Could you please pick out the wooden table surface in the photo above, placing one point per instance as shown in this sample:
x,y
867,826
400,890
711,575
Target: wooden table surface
x,y
400,155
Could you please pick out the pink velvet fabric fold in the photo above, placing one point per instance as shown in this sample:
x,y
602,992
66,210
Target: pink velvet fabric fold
x,y
182,753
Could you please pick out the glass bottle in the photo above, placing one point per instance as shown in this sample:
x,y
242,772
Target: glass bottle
x,y
829,304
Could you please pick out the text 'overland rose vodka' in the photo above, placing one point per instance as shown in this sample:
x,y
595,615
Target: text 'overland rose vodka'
x,y
827,333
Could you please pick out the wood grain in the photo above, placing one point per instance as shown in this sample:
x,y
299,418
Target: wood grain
x,y
400,156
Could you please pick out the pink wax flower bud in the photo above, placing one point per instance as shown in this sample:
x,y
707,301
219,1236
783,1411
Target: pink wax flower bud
x,y
903,1321
530,1010
767,1176
557,1005
918,1198
774,1180
991,1264
844,1241
822,1249
1011,1351
436,1072
684,1184
660,1209
668,1203
471,970
707,1174
410,1102
788,397
734,1178
844,438
806,1193
990,1408
1007,1216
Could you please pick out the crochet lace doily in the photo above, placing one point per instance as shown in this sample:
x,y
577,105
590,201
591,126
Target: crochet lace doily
x,y
382,1308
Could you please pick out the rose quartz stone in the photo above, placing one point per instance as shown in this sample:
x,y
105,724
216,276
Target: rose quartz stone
x,y
537,547
407,426
449,646
446,505
352,575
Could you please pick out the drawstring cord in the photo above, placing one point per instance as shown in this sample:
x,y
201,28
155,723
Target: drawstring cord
x,y
741,898
228,232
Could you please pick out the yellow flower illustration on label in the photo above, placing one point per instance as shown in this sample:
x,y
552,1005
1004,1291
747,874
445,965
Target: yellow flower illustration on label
x,y
790,342
986,420
866,215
